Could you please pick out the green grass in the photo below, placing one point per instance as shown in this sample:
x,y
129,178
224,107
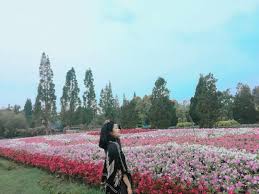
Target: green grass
x,y
20,179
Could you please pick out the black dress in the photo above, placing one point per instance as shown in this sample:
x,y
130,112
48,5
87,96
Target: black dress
x,y
114,168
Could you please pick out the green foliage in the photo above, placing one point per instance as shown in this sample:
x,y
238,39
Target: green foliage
x,y
226,102
256,101
10,121
28,111
37,113
184,124
174,118
89,98
143,107
109,106
226,124
129,117
182,111
70,100
162,110
97,122
256,97
30,132
194,101
16,108
45,104
204,108
244,107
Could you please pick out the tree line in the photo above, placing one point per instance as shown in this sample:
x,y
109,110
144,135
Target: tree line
x,y
157,110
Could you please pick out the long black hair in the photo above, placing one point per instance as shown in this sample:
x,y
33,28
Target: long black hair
x,y
105,135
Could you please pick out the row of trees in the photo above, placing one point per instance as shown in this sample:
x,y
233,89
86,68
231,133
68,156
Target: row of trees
x,y
210,105
156,109
206,107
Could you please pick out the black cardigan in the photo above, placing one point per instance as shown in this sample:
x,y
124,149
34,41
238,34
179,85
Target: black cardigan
x,y
114,168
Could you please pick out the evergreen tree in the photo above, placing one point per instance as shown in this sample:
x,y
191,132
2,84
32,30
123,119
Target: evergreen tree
x,y
117,108
46,97
70,100
89,98
161,110
174,118
244,108
140,109
107,103
204,108
37,113
129,113
143,109
28,111
256,101
194,101
256,97
124,117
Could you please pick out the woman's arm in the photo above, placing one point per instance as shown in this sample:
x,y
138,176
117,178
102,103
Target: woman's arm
x,y
126,181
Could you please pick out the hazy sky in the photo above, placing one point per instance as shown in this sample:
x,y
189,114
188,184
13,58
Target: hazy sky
x,y
129,42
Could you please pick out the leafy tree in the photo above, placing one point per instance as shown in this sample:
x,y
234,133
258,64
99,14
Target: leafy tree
x,y
10,122
244,107
226,101
182,111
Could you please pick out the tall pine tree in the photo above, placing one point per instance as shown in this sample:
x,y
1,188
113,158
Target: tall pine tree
x,y
45,105
89,98
107,103
70,100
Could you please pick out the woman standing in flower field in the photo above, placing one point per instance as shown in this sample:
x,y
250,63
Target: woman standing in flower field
x,y
116,176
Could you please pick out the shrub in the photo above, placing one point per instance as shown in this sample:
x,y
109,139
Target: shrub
x,y
10,121
30,132
226,124
184,124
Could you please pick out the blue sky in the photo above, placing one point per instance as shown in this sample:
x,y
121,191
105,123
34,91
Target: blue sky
x,y
128,42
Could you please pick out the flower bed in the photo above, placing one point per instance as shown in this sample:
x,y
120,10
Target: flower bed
x,y
161,161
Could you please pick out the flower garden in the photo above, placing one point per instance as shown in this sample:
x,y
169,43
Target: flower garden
x,y
161,161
